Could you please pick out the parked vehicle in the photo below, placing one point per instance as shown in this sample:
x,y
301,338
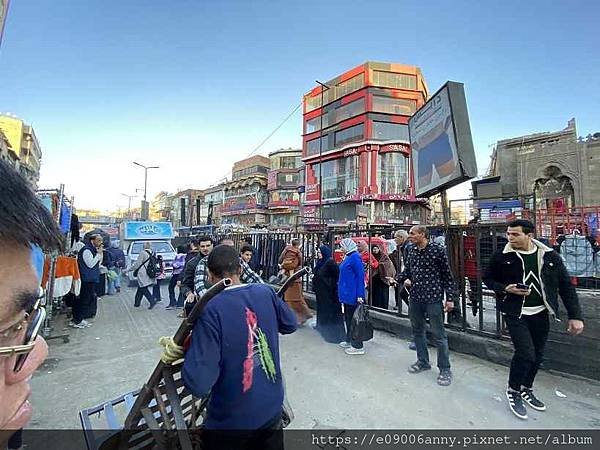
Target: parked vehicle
x,y
135,234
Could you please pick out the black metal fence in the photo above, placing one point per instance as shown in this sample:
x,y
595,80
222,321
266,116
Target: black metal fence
x,y
469,249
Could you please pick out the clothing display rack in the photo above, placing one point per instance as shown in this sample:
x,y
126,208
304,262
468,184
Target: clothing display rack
x,y
61,208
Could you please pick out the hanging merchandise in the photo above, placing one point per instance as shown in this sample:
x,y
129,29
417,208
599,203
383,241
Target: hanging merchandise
x,y
66,276
65,217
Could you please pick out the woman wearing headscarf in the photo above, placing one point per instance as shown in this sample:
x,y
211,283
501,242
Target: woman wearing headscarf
x,y
330,321
380,284
291,261
351,291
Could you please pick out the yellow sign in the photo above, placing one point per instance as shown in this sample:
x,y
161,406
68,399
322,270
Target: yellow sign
x,y
13,130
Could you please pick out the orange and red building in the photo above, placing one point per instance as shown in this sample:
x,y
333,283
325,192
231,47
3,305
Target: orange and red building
x,y
363,145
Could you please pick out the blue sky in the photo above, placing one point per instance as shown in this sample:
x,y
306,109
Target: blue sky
x,y
193,85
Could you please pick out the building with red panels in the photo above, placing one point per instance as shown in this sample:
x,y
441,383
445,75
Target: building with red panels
x,y
363,145
284,178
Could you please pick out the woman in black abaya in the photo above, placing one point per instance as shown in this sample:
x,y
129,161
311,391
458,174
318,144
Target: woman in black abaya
x,y
330,321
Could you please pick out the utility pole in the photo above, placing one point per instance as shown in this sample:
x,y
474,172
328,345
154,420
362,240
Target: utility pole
x,y
145,204
324,87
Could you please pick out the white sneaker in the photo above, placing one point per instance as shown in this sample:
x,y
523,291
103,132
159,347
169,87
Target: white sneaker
x,y
79,325
85,323
345,344
355,351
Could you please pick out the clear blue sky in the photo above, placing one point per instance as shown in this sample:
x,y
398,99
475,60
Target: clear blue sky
x,y
194,85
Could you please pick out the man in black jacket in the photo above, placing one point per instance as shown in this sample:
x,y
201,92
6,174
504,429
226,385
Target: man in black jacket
x,y
527,277
200,247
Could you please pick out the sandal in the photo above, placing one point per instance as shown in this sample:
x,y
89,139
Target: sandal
x,y
418,368
444,378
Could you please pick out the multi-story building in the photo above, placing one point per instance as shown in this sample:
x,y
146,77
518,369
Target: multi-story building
x,y
356,128
284,178
213,202
7,153
245,197
183,208
22,139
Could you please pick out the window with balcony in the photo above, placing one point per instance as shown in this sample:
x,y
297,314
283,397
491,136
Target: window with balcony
x,y
350,134
392,173
387,131
394,80
392,105
340,177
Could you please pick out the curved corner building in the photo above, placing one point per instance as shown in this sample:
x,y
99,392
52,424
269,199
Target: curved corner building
x,y
363,145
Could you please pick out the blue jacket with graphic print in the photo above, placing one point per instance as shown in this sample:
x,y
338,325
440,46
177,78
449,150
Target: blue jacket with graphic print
x,y
234,355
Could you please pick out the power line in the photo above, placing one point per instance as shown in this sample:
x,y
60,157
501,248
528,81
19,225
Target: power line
x,y
263,142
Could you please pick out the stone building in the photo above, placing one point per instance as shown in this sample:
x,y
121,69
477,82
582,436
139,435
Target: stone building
x,y
561,170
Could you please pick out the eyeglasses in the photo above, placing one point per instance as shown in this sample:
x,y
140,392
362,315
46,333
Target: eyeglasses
x,y
32,322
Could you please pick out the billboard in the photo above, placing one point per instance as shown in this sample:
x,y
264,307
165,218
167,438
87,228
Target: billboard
x,y
3,14
148,230
440,138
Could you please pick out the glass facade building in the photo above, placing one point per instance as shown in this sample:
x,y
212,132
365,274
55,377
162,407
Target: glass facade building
x,y
355,140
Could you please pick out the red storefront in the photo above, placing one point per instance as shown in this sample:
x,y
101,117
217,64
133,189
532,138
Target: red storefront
x,y
363,146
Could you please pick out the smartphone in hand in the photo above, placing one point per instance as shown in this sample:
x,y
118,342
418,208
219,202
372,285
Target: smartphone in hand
x,y
522,286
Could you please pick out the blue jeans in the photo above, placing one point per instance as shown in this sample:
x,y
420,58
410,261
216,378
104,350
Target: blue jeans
x,y
113,285
435,311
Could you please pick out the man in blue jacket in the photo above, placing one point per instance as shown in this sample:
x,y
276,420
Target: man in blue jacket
x,y
351,291
234,356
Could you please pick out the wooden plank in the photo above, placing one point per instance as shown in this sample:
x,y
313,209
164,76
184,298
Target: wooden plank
x,y
184,438
163,409
154,428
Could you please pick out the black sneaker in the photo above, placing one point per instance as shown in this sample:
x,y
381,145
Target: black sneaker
x,y
532,400
515,403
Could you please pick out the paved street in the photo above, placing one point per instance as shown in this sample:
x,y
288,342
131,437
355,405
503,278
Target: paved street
x,y
326,388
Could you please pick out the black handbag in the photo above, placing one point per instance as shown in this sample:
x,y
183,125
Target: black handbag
x,y
361,329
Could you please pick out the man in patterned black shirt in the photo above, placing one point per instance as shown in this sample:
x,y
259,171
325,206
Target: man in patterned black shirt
x,y
428,274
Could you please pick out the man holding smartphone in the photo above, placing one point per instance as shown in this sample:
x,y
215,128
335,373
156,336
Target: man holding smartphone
x,y
25,225
527,277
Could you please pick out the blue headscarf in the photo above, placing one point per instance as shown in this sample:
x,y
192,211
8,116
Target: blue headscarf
x,y
326,252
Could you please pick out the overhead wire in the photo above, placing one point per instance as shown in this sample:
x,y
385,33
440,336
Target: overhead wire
x,y
264,141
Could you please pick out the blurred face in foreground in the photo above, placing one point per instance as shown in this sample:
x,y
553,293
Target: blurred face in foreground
x,y
19,289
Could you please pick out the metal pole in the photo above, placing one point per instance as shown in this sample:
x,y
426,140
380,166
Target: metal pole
x,y
145,182
323,87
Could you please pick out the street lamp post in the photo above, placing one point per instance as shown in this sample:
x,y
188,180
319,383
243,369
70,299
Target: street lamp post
x,y
324,87
145,209
129,197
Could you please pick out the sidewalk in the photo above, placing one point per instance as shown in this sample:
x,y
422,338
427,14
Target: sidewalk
x,y
326,387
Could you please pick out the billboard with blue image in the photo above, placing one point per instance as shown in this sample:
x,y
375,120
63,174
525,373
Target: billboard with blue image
x,y
148,230
442,152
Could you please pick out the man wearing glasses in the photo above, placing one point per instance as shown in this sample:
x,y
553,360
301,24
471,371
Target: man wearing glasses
x,y
25,224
